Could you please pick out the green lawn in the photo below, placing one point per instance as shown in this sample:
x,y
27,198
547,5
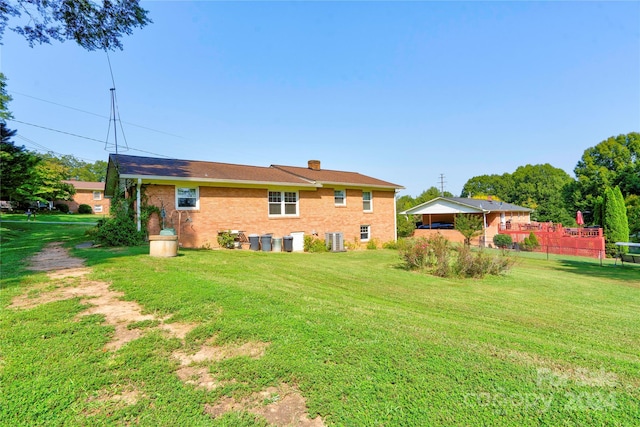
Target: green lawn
x,y
553,342
44,216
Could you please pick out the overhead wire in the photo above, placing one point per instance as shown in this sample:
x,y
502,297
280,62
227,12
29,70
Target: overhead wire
x,y
94,114
81,136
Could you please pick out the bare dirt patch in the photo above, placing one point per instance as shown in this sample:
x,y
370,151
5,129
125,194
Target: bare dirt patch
x,y
54,257
68,280
280,406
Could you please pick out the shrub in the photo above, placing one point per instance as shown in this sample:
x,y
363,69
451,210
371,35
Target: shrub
x,y
121,228
416,254
372,244
313,244
480,264
423,253
391,244
84,209
530,243
62,207
502,240
226,239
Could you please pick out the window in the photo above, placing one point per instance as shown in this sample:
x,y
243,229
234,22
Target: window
x,y
97,208
187,198
340,197
365,232
283,203
367,202
97,195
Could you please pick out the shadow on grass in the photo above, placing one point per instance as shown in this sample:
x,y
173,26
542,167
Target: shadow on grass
x,y
628,273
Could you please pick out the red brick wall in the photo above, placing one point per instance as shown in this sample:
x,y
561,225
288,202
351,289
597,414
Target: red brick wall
x,y
246,209
85,197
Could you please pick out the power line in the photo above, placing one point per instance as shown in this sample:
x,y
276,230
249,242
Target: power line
x,y
94,114
80,136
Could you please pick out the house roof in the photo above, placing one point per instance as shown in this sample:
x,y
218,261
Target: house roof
x,y
85,185
333,177
454,205
150,168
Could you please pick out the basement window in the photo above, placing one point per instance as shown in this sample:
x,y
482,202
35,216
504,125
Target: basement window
x,y
365,233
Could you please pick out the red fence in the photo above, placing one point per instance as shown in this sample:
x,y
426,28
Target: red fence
x,y
556,239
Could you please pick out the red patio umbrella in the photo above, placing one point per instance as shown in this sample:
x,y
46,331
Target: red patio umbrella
x,y
579,218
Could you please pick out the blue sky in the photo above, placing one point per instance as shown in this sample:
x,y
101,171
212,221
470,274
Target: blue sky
x,y
402,91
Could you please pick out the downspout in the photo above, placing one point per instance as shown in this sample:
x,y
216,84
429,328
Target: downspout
x,y
395,216
138,209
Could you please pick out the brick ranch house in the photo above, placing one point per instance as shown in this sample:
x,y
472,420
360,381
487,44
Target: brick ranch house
x,y
496,216
201,199
87,193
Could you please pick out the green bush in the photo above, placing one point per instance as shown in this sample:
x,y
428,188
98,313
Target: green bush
x,y
426,253
530,243
226,239
61,207
121,229
313,244
502,240
84,209
372,244
391,244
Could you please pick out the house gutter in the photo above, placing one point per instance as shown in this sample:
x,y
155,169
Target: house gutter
x,y
138,209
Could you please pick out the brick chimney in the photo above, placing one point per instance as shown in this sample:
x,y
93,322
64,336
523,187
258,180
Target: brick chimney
x,y
314,165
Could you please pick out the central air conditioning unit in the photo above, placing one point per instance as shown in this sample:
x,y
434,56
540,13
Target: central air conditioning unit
x,y
334,241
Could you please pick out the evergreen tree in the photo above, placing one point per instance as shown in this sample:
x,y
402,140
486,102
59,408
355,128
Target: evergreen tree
x,y
616,227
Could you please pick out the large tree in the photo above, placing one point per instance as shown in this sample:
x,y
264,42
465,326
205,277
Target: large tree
x,y
16,164
91,25
483,186
79,169
613,162
542,188
5,98
44,183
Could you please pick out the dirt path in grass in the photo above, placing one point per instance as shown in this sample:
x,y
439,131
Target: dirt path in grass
x,y
280,406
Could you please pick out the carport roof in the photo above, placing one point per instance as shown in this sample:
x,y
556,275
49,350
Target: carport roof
x,y
455,205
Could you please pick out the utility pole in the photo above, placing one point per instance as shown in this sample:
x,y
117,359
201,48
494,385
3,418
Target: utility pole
x,y
442,182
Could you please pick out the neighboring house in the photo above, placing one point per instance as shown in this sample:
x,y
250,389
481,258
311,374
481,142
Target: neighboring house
x,y
496,216
88,193
200,199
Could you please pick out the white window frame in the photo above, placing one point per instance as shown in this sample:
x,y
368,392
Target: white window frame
x,y
188,208
370,201
365,229
336,197
283,202
97,195
97,208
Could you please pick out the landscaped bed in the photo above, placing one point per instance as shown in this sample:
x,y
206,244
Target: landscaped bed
x,y
231,337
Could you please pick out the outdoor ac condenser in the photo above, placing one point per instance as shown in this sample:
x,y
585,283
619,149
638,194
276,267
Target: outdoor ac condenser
x,y
334,241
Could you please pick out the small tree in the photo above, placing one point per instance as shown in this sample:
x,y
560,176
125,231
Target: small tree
x,y
469,226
